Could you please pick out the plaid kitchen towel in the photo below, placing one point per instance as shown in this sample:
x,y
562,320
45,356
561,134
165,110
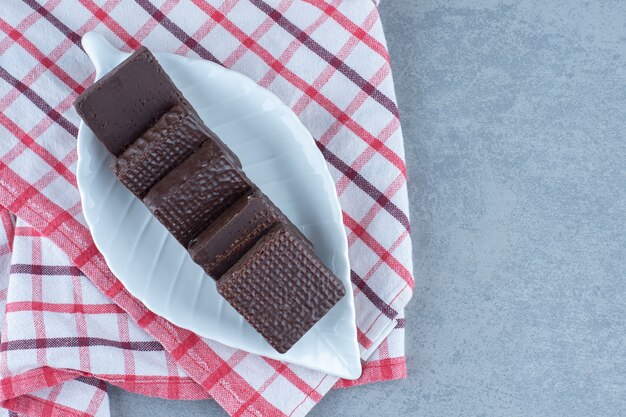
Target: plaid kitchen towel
x,y
69,324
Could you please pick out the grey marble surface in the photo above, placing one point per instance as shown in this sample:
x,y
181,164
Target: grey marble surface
x,y
514,115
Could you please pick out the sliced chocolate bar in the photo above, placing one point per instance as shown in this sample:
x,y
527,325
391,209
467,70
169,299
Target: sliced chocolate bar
x,y
169,142
197,191
123,104
194,185
162,147
229,237
281,287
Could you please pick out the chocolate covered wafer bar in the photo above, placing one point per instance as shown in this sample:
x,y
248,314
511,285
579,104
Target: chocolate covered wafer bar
x,y
162,147
281,287
123,104
197,191
165,145
229,237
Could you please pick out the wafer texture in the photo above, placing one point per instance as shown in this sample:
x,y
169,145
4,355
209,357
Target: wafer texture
x,y
165,145
280,287
196,192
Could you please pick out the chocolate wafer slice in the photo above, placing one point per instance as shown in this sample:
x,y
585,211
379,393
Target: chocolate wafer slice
x,y
229,237
197,191
281,287
123,104
173,138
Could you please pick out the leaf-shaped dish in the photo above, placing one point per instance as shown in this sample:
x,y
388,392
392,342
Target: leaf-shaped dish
x,y
279,155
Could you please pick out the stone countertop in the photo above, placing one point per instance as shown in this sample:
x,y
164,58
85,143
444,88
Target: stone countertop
x,y
514,116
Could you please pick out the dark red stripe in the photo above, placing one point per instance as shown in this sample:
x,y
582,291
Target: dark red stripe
x,y
45,270
64,308
366,186
175,30
327,56
44,60
333,159
384,308
351,27
111,23
341,116
400,323
94,382
380,250
38,101
45,13
62,342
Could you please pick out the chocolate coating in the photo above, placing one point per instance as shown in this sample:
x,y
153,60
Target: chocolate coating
x,y
162,147
229,237
197,191
123,104
281,287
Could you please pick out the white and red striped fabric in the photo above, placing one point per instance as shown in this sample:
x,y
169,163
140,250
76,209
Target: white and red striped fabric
x,y
69,324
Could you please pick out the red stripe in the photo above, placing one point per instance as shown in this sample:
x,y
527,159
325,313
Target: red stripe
x,y
146,319
393,247
327,56
191,340
96,400
351,27
86,255
39,56
257,34
172,387
115,27
395,368
298,82
363,339
42,152
374,245
115,289
243,408
216,376
45,12
63,307
38,101
175,30
26,230
56,222
17,204
50,401
34,380
28,405
6,385
50,376
23,27
8,225
197,365
294,379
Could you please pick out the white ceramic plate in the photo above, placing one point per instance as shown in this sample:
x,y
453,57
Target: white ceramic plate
x,y
279,155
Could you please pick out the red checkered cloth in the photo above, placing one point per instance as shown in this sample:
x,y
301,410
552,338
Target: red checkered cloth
x,y
69,324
